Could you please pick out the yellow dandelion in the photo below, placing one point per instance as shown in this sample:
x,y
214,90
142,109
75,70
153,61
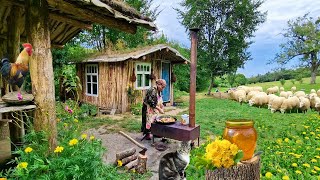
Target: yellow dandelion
x,y
285,177
314,160
279,141
318,149
58,149
22,165
314,172
304,133
3,178
91,137
306,137
28,150
119,163
73,142
316,168
286,139
294,165
306,165
84,136
268,175
298,172
312,133
318,157
306,127
76,120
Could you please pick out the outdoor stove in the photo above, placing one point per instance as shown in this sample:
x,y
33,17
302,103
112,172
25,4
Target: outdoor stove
x,y
178,131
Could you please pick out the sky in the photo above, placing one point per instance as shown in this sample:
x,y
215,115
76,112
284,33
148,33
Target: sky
x,y
267,38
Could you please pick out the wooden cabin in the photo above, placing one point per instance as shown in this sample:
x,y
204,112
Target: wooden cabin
x,y
107,78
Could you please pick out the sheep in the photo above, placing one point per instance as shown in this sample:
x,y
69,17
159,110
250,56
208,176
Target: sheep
x,y
276,104
251,94
317,104
318,92
292,102
285,94
257,88
259,99
272,90
312,97
293,89
313,91
245,88
304,104
270,99
281,89
300,93
238,95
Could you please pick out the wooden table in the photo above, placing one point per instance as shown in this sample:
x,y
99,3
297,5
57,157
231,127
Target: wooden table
x,y
176,131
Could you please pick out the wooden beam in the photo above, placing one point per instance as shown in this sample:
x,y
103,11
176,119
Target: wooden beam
x,y
94,17
57,46
70,21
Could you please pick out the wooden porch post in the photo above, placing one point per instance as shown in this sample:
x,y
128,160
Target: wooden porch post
x,y
41,69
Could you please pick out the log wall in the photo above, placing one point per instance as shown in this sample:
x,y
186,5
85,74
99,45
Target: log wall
x,y
114,79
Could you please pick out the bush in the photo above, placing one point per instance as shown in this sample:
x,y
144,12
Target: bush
x,y
136,109
282,81
293,81
299,79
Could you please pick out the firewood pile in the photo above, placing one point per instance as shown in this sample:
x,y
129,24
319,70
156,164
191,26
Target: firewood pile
x,y
131,160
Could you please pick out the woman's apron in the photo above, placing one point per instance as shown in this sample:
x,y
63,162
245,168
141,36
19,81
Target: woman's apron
x,y
152,113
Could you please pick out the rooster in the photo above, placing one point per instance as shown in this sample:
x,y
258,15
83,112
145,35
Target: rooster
x,y
15,72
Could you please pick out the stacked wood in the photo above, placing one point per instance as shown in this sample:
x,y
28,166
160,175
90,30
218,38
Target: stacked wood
x,y
124,154
131,164
141,167
247,170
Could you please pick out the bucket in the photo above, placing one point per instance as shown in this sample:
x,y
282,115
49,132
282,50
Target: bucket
x,y
185,117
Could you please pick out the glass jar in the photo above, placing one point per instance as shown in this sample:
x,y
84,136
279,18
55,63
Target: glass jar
x,y
242,133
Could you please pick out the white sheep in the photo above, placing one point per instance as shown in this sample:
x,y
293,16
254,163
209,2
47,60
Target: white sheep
x,y
270,99
251,94
281,89
257,88
259,99
304,105
293,88
285,94
313,91
300,93
276,104
238,95
317,104
318,92
272,90
312,99
292,102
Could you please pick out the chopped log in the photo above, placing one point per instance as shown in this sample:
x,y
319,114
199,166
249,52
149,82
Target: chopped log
x,y
131,164
129,159
125,153
248,170
141,167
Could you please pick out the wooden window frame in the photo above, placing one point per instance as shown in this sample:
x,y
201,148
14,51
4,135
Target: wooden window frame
x,y
143,73
95,67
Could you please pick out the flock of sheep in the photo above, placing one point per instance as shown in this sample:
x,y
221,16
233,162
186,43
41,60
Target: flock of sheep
x,y
287,101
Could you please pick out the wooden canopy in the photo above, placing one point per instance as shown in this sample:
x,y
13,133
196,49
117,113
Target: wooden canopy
x,y
68,17
168,53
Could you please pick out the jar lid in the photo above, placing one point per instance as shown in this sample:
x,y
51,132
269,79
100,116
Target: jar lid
x,y
239,122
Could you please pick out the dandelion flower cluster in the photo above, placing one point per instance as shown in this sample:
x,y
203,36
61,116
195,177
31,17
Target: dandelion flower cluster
x,y
221,153
73,142
91,137
22,165
84,136
28,150
119,163
58,149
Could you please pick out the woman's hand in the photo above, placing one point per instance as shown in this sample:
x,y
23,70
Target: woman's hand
x,y
160,109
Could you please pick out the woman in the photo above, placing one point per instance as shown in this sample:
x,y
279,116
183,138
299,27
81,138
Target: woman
x,y
152,106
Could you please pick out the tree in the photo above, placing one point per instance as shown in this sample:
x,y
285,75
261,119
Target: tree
x,y
303,41
241,79
226,26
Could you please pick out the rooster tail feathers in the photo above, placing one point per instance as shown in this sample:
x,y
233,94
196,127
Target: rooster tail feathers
x,y
5,67
3,61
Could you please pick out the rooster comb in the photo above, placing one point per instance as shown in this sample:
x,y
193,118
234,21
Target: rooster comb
x,y
27,45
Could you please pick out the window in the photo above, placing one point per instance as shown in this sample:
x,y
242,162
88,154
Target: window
x,y
143,71
92,79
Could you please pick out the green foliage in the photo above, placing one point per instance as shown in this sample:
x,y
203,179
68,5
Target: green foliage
x,y
225,27
78,156
303,37
136,109
282,81
88,109
240,79
293,81
231,78
71,81
132,94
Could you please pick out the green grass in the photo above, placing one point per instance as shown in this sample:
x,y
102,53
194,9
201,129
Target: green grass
x,y
211,114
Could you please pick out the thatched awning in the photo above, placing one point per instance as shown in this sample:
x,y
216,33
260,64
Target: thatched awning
x,y
69,17
168,52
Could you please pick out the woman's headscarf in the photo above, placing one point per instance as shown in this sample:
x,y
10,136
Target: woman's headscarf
x,y
161,82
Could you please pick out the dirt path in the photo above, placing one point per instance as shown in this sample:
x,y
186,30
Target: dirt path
x,y
115,142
